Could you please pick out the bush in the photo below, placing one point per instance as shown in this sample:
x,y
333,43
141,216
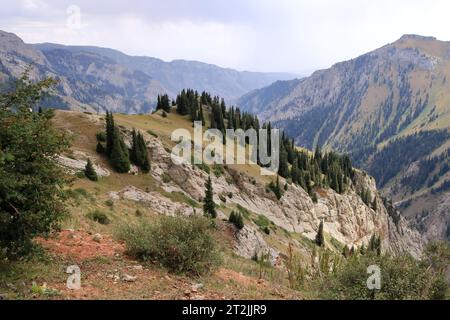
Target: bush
x,y
100,148
110,203
182,245
89,171
402,278
101,136
237,219
99,216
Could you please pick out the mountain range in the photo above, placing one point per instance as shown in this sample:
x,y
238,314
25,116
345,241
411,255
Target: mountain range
x,y
390,110
96,79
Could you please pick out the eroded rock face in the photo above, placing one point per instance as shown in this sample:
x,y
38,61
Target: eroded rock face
x,y
79,164
346,217
155,201
250,243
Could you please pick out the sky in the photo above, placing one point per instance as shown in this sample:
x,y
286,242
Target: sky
x,y
296,36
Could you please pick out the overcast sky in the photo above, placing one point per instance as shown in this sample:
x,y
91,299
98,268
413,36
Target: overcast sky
x,y
297,36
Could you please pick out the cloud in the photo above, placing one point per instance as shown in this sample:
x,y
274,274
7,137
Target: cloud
x,y
280,35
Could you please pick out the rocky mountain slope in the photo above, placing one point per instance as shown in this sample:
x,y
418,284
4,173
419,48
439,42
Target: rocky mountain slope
x,y
390,110
293,219
93,79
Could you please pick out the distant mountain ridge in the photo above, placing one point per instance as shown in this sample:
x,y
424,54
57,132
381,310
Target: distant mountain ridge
x,y
180,74
96,79
390,109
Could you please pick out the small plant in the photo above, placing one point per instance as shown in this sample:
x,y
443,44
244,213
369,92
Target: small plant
x,y
236,219
230,195
152,133
218,170
101,136
80,175
138,213
164,114
89,171
100,148
109,203
99,217
166,178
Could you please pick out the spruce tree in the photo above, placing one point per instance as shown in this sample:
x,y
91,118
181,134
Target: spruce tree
x,y
110,128
89,171
209,207
320,240
100,148
119,154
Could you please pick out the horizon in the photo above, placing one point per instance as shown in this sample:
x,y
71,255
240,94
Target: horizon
x,y
240,36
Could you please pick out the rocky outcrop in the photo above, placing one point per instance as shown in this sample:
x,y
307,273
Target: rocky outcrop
x,y
78,163
250,244
153,200
346,217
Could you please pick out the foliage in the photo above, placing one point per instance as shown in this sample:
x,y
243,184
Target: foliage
x,y
99,216
139,152
209,207
31,183
164,104
89,171
402,277
116,149
101,136
320,240
182,245
237,219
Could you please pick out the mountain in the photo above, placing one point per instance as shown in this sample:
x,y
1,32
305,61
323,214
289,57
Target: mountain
x,y
180,74
390,110
93,78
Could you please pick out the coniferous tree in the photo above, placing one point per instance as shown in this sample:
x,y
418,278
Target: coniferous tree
x,y
100,148
209,207
237,219
32,184
110,128
89,171
320,240
119,157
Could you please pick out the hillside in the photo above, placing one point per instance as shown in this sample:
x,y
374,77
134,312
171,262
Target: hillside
x,y
96,79
390,110
170,188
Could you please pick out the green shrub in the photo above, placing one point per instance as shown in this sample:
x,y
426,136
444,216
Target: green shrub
x,y
101,136
402,278
218,170
203,167
236,219
166,178
99,216
152,133
182,245
109,203
80,175
164,114
90,172
138,213
100,148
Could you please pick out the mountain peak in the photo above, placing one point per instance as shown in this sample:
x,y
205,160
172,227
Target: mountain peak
x,y
416,37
